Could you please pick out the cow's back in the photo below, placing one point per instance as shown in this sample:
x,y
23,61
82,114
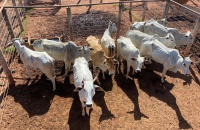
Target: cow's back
x,y
81,71
125,47
56,50
136,37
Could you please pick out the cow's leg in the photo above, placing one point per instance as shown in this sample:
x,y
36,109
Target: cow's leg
x,y
83,108
103,74
93,69
36,72
163,75
50,74
66,69
27,71
128,70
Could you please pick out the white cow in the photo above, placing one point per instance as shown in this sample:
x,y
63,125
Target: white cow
x,y
136,37
99,58
66,52
169,58
140,25
36,60
84,83
153,27
107,43
127,51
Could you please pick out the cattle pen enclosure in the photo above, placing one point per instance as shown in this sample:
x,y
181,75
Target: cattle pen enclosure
x,y
139,102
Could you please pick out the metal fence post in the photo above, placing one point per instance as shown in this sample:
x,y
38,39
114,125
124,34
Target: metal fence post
x,y
167,8
8,24
145,10
119,19
18,16
194,33
69,18
6,70
130,13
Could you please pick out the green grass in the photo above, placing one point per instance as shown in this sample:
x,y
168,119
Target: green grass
x,y
10,49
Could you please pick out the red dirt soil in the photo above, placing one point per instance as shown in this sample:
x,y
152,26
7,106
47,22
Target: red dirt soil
x,y
139,102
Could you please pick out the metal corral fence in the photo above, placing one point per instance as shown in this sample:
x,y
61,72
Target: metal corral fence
x,y
10,27
183,18
82,25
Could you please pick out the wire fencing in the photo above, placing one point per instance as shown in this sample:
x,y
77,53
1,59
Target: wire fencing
x,y
9,28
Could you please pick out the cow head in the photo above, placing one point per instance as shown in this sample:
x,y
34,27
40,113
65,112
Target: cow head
x,y
112,27
17,42
37,45
171,40
85,51
185,65
163,21
189,38
109,64
136,61
86,93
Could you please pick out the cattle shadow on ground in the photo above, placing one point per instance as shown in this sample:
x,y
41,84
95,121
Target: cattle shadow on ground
x,y
130,89
36,97
106,83
100,101
159,68
76,121
151,85
35,100
196,79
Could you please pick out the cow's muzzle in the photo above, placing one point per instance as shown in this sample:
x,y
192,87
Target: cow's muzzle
x,y
89,105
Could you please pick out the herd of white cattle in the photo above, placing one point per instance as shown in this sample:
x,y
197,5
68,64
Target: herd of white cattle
x,y
144,41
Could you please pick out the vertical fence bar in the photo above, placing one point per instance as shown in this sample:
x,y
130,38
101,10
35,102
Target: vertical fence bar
x,y
18,16
145,10
23,9
59,2
6,70
194,33
130,13
167,8
8,24
119,19
69,17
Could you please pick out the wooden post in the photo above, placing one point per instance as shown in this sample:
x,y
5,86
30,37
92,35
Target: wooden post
x,y
23,9
8,24
194,33
18,16
130,13
119,20
167,8
69,17
145,10
6,70
59,2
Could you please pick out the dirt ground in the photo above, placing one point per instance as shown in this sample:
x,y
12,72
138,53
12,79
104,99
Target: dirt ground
x,y
140,102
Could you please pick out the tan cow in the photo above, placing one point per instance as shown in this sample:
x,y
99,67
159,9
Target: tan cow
x,y
99,58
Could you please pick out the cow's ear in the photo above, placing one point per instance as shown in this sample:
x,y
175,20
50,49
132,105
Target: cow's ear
x,y
80,49
77,89
97,88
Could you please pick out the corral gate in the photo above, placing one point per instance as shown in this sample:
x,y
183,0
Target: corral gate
x,y
11,26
